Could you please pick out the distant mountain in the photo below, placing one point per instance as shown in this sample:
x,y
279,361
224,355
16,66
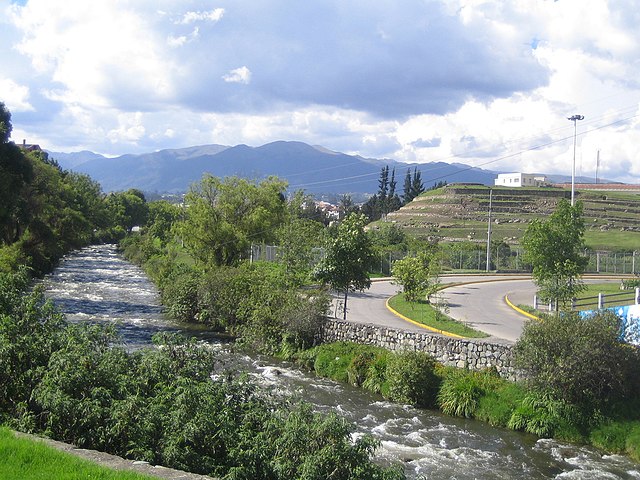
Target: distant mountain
x,y
315,169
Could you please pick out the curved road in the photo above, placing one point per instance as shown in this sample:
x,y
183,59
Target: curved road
x,y
476,300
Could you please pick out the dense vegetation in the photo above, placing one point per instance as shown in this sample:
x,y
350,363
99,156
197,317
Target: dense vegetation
x,y
78,384
573,392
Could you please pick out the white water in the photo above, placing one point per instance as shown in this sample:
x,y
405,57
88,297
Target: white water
x,y
96,284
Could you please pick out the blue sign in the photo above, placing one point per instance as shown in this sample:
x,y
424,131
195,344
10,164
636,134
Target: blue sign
x,y
630,325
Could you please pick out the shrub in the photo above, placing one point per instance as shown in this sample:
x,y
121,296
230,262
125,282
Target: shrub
x,y
412,379
459,393
359,368
580,361
498,404
376,377
612,436
539,414
633,442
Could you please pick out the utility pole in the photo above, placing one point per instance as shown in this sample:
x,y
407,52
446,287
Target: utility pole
x,y
489,231
574,119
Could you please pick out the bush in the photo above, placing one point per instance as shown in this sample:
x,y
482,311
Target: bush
x,y
498,404
612,436
540,414
459,393
580,361
633,443
412,379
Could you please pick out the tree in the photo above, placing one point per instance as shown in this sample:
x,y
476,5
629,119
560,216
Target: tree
x,y
417,187
383,183
224,216
5,124
418,275
413,185
554,248
349,254
408,194
580,361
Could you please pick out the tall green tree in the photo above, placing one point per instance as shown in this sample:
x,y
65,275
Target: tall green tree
x,y
349,255
417,187
224,216
419,274
555,250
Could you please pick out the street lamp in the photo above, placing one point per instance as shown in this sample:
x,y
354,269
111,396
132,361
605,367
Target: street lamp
x,y
574,119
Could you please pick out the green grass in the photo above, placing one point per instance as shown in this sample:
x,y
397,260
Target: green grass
x,y
607,289
424,313
26,459
607,240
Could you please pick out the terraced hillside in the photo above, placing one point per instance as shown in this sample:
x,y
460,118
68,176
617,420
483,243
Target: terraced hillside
x,y
461,212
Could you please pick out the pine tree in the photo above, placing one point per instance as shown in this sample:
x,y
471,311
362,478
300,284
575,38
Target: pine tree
x,y
408,195
417,187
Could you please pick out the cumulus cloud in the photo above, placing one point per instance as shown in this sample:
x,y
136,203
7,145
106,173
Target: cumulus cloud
x,y
16,97
489,83
238,75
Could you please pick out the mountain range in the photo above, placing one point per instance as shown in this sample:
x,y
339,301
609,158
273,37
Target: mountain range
x,y
314,169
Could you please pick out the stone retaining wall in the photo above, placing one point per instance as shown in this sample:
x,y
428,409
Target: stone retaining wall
x,y
462,353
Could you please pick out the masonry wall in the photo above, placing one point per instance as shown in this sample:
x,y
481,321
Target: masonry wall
x,y
462,353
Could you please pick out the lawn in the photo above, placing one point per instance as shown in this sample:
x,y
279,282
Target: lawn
x,y
26,459
422,312
586,300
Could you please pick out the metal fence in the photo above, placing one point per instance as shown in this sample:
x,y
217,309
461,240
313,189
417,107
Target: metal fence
x,y
474,258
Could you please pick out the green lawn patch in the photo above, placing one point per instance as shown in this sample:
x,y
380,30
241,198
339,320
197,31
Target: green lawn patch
x,y
607,289
424,313
30,460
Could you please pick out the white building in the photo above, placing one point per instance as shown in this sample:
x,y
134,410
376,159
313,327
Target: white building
x,y
520,180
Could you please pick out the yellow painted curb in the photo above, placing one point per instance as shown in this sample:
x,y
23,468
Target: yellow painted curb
x,y
421,325
519,310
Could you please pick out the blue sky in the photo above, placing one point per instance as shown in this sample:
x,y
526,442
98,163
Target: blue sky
x,y
488,83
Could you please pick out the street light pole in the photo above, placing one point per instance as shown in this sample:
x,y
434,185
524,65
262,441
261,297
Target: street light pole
x,y
574,119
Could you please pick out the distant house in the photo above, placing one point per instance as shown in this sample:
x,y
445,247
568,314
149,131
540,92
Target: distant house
x,y
29,147
520,180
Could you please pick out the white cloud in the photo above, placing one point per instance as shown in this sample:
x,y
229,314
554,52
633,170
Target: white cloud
x,y
484,82
211,16
238,75
130,128
16,97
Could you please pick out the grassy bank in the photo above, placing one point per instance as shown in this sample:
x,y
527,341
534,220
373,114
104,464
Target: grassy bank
x,y
414,378
30,460
424,313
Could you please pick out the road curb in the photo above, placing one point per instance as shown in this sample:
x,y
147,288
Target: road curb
x,y
519,310
421,325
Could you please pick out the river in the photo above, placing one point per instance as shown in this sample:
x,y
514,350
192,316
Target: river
x,y
96,284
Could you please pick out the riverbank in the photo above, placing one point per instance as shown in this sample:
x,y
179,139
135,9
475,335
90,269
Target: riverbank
x,y
480,395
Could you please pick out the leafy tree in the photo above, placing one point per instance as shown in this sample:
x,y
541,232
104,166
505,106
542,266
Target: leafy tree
x,y
5,124
298,241
418,274
580,361
348,256
554,248
161,218
129,209
224,216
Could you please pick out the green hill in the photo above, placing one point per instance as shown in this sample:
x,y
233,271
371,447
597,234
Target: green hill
x,y
461,212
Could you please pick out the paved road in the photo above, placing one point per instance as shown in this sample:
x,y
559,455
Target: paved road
x,y
478,301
